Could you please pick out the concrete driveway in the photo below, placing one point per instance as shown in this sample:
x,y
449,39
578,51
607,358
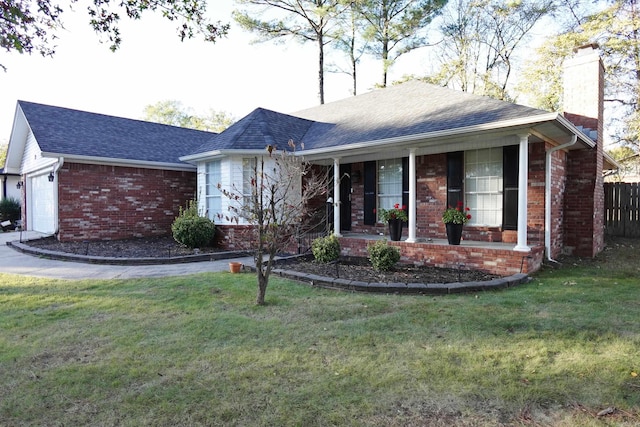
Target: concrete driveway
x,y
14,262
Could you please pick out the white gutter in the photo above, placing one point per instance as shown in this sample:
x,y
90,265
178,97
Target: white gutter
x,y
484,127
547,195
58,165
145,164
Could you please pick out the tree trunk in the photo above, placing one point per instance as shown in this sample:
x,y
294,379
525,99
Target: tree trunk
x,y
263,281
321,67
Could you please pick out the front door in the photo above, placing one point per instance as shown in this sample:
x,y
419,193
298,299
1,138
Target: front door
x,y
345,197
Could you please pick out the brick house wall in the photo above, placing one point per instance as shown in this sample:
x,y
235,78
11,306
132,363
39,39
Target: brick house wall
x,y
431,194
503,262
101,202
558,191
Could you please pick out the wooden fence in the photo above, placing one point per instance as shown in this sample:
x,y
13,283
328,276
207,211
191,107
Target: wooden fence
x,y
622,209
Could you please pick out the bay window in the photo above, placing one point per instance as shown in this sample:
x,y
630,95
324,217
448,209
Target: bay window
x,y
213,195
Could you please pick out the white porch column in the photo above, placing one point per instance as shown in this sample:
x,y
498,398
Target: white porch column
x,y
523,176
412,196
336,197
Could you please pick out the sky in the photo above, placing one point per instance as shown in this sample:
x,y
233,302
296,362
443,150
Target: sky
x,y
233,75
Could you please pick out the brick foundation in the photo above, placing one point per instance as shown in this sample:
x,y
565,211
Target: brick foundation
x,y
500,261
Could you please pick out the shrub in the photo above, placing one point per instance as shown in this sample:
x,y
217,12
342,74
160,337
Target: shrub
x,y
326,249
191,229
10,209
382,256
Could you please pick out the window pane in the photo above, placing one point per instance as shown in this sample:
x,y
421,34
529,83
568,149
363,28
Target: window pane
x,y
483,186
389,183
213,195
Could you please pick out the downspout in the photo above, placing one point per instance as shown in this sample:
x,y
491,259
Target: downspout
x,y
57,167
547,193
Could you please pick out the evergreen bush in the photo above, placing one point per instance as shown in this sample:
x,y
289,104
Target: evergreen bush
x,y
191,229
382,256
10,209
326,249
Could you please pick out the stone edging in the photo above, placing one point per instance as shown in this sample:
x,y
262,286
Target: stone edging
x,y
403,288
399,288
306,278
89,259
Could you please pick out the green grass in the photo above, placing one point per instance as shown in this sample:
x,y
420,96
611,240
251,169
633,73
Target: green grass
x,y
196,351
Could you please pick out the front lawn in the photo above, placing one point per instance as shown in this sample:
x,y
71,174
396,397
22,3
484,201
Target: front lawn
x,y
196,351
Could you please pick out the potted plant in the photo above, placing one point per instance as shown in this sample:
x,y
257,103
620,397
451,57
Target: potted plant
x,y
454,219
394,217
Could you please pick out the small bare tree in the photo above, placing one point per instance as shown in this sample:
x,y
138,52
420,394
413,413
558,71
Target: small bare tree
x,y
277,209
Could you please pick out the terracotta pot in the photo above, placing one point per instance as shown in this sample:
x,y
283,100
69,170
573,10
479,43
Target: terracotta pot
x,y
235,267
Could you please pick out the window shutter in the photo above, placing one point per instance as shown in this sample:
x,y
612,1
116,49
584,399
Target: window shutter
x,y
405,181
455,178
510,155
369,193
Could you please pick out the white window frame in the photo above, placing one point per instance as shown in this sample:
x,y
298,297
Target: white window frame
x,y
389,184
483,186
249,165
213,195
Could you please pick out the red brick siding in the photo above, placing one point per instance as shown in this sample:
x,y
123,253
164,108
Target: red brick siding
x,y
431,193
503,262
112,202
558,191
584,201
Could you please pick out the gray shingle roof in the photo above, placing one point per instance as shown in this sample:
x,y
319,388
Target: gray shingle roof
x,y
398,111
258,129
70,132
407,109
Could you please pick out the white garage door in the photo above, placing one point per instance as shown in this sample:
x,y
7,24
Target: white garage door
x,y
42,205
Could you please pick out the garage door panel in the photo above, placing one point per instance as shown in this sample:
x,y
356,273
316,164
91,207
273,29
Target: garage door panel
x,y
42,205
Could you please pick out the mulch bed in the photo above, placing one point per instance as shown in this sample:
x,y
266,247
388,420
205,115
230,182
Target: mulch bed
x,y
353,269
147,247
361,270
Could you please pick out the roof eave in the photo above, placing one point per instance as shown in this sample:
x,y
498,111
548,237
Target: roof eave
x,y
208,155
574,130
447,133
121,162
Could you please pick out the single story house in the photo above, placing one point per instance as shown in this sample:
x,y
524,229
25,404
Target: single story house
x,y
533,180
86,176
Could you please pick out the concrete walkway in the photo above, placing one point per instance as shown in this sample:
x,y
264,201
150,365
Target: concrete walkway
x,y
15,262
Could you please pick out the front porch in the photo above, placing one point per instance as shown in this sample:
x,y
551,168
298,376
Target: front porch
x,y
492,257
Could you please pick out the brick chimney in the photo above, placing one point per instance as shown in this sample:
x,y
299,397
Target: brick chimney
x,y
584,192
583,85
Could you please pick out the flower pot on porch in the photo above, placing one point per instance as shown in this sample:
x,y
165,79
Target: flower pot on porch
x,y
395,229
454,233
235,267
